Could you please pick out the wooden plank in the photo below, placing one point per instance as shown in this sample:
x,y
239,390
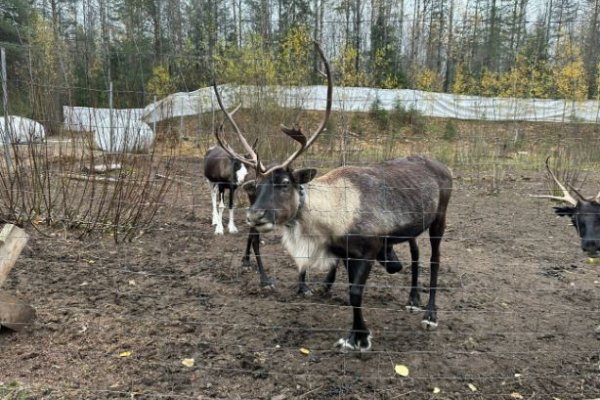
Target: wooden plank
x,y
15,314
12,241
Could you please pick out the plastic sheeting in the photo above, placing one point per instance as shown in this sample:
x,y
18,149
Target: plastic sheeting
x,y
131,134
430,104
21,130
128,132
128,135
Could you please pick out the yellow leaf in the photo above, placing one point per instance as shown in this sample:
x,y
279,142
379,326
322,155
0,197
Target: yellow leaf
x,y
436,390
401,370
125,354
592,261
516,395
304,351
472,387
188,362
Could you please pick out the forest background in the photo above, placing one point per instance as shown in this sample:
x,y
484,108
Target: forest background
x,y
69,51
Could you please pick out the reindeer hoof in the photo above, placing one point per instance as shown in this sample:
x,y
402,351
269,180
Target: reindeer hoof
x,y
413,309
354,344
429,325
232,229
267,284
246,265
304,290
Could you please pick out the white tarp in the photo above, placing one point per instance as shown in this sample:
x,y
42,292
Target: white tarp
x,y
430,104
85,119
129,133
124,135
116,131
21,130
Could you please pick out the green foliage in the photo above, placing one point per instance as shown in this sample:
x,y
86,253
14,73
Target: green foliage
x,y
450,131
160,83
428,80
294,64
251,64
345,66
385,54
402,117
379,115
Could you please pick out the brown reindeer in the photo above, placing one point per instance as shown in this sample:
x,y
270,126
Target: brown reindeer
x,y
351,213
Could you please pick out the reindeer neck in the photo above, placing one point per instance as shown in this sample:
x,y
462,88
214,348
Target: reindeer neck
x,y
301,201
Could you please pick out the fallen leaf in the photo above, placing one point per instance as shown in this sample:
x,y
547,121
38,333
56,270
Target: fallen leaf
x,y
125,354
472,387
188,362
516,395
401,370
132,283
436,390
304,351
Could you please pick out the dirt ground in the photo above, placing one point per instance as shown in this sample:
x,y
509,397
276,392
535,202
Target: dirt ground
x,y
517,311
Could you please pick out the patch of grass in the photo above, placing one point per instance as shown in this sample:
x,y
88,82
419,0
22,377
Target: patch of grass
x,y
380,115
450,131
13,391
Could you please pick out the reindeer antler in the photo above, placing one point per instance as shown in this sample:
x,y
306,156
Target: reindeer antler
x,y
566,195
296,133
253,161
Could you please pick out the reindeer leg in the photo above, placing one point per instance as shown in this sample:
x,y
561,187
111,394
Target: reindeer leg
x,y
303,288
220,208
436,231
414,298
246,264
214,190
388,258
265,281
231,227
330,278
360,336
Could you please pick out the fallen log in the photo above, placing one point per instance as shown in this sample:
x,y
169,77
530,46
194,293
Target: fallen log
x,y
14,314
12,241
101,168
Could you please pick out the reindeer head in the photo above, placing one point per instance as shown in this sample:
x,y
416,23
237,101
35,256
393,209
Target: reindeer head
x,y
278,189
584,213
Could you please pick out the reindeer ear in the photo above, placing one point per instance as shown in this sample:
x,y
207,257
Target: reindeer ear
x,y
565,211
304,175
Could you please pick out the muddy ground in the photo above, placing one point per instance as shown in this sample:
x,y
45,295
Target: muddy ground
x,y
517,312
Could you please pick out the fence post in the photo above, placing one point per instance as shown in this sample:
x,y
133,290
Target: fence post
x,y
7,134
110,117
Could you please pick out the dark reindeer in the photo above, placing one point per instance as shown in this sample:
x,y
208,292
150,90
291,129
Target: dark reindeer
x,y
584,213
223,173
351,213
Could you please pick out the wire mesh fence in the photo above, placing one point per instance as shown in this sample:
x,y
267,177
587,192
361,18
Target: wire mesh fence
x,y
167,310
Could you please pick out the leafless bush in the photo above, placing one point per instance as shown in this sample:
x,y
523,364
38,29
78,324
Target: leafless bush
x,y
67,182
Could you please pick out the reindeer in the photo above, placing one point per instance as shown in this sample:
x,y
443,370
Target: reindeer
x,y
351,213
387,257
222,172
584,213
